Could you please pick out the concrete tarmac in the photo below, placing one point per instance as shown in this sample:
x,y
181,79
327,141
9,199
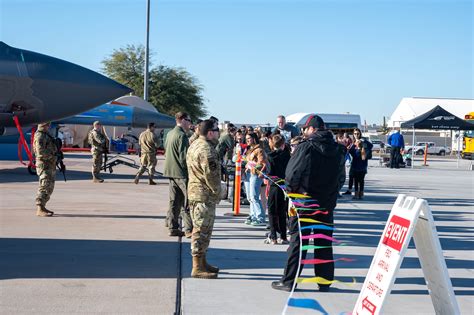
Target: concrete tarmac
x,y
107,250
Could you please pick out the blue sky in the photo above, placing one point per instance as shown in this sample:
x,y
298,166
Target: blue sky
x,y
260,58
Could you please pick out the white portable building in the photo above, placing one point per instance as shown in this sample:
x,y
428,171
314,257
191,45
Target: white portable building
x,y
411,107
332,121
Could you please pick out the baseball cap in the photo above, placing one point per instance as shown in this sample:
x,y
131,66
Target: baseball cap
x,y
314,121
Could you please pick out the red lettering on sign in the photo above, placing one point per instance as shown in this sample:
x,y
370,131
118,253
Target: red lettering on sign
x,y
368,305
384,265
375,289
396,233
379,277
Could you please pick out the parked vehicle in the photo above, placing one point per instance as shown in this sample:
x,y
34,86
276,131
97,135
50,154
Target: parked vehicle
x,y
377,144
468,140
420,147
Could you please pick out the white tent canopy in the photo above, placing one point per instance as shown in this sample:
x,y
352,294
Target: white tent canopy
x,y
411,107
136,101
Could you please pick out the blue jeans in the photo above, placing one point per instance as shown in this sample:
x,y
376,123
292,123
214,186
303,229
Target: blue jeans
x,y
256,209
247,192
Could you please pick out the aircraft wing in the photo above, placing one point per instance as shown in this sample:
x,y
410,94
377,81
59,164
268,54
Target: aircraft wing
x,y
120,115
38,88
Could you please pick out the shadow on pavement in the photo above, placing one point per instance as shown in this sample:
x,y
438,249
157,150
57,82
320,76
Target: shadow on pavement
x,y
110,216
62,258
21,175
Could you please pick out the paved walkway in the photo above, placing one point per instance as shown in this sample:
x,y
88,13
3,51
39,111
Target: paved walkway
x,y
249,266
107,251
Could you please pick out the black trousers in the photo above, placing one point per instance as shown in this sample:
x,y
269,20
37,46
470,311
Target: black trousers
x,y
326,270
277,209
395,157
359,180
351,178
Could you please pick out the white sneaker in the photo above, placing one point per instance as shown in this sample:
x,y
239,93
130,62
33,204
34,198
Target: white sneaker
x,y
269,241
282,242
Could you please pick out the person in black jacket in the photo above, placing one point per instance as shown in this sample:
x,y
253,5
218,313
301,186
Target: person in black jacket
x,y
313,170
277,203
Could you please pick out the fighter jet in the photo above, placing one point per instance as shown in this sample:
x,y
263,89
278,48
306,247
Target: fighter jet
x,y
124,112
38,88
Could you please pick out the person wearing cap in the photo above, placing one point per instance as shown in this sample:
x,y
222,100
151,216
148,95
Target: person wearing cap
x,y
148,147
214,119
45,150
313,171
286,130
98,142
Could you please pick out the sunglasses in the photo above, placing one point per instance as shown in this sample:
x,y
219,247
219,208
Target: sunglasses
x,y
215,129
187,119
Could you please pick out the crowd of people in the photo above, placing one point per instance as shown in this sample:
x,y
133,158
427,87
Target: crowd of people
x,y
310,161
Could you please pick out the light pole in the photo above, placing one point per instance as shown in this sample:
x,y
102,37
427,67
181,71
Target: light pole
x,y
145,81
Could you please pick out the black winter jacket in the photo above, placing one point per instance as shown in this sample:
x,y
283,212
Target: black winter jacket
x,y
314,168
278,160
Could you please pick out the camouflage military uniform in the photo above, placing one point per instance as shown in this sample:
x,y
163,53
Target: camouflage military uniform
x,y
148,144
45,151
203,191
193,137
98,143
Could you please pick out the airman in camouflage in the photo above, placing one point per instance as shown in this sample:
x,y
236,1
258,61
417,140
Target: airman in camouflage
x,y
98,142
203,193
148,145
45,150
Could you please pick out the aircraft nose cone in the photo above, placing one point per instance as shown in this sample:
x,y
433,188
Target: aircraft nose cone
x,y
142,117
42,88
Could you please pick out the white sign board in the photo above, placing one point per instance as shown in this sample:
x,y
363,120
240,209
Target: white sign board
x,y
402,224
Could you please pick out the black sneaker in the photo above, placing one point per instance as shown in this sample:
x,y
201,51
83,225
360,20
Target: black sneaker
x,y
278,285
347,193
323,288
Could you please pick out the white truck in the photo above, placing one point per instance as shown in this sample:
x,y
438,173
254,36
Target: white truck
x,y
420,147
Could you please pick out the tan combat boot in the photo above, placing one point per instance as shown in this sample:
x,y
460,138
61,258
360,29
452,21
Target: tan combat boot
x,y
199,270
97,179
137,179
41,211
209,268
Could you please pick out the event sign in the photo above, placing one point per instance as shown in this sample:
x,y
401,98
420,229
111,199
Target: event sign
x,y
410,217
